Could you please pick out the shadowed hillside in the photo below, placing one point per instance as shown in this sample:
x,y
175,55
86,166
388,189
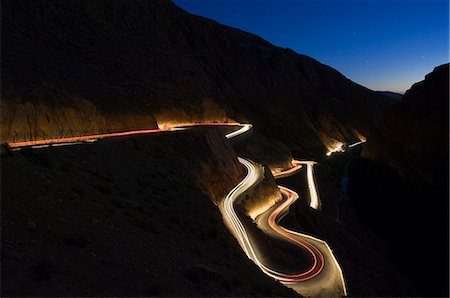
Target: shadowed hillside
x,y
400,184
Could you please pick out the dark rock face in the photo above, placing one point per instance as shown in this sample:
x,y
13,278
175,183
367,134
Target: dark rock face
x,y
152,60
413,135
124,218
400,185
392,95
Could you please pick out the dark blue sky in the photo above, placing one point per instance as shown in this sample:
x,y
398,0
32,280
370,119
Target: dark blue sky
x,y
383,45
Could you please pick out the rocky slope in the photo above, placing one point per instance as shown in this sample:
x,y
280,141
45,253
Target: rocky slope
x,y
129,217
77,67
400,184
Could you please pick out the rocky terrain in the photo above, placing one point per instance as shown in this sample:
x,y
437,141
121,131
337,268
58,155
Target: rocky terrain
x,y
77,67
121,218
399,185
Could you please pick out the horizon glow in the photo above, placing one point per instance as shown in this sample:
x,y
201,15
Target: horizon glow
x,y
382,45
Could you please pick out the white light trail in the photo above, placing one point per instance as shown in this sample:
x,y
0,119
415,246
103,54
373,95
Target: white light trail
x,y
238,229
65,144
40,146
244,128
356,144
313,192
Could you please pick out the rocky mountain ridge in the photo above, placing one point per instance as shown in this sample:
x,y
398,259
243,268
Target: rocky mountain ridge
x,y
160,64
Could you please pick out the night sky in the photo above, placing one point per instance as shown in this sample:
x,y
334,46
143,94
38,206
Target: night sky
x,y
383,45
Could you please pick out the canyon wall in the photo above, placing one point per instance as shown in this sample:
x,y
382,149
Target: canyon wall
x,y
126,64
75,117
399,185
412,136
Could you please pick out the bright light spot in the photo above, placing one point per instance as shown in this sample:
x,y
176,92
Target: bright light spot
x,y
360,136
337,147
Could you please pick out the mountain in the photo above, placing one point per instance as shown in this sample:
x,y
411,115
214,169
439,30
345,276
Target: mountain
x,y
393,95
399,185
81,67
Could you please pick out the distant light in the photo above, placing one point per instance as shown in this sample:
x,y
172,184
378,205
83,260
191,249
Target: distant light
x,y
338,147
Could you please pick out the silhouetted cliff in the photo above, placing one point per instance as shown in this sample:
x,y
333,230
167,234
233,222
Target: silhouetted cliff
x,y
154,61
413,135
392,95
400,184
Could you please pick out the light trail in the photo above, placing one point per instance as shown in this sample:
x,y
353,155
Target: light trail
x,y
244,128
296,166
40,146
315,202
236,226
356,144
334,273
92,138
331,259
342,147
324,268
313,192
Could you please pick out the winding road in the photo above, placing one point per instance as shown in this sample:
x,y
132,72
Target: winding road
x,y
318,280
323,278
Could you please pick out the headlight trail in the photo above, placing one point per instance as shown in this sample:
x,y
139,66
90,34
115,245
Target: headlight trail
x,y
315,202
91,138
324,266
313,193
238,229
72,140
342,147
244,128
331,259
356,144
296,166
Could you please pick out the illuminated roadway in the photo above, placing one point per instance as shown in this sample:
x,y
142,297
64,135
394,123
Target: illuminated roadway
x,y
323,278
